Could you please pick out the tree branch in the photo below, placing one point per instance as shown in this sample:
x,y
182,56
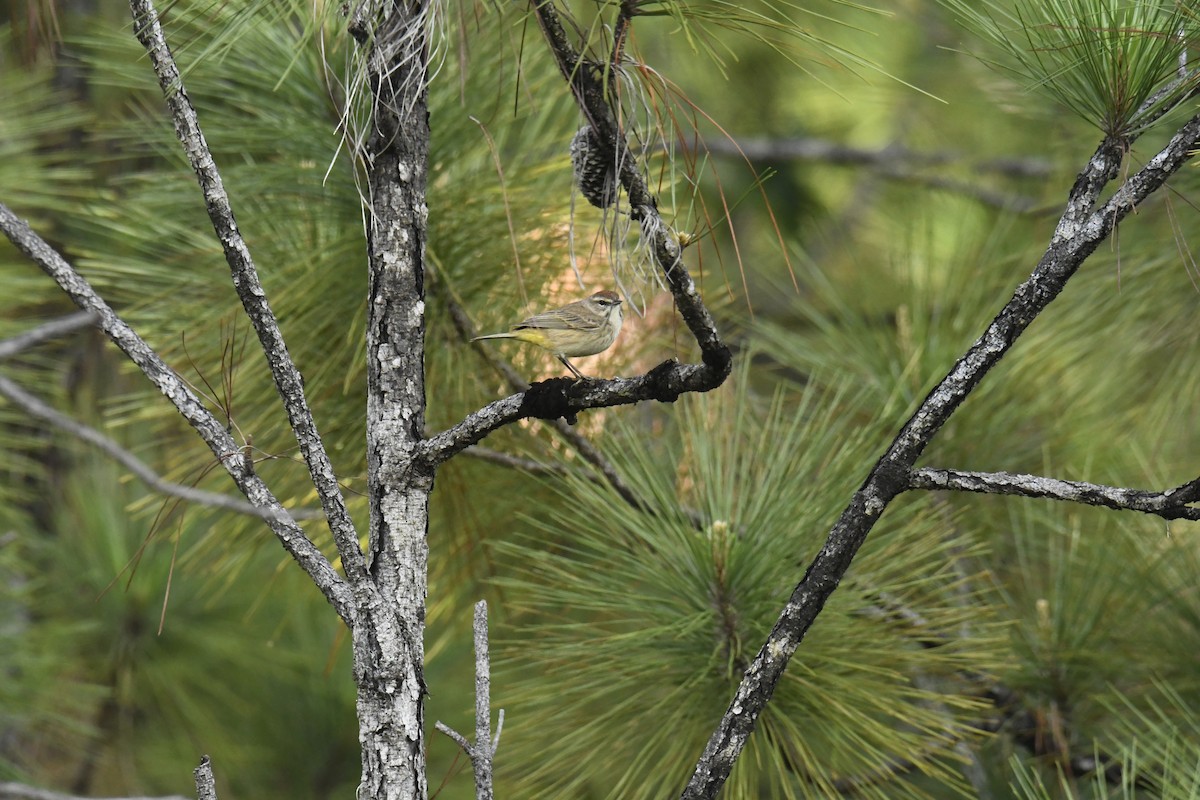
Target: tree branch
x,y
1079,232
586,81
1163,504
886,158
484,749
39,409
566,397
206,782
54,329
21,791
288,380
175,389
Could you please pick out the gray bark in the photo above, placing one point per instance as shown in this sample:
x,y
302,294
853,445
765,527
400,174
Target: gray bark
x,y
389,629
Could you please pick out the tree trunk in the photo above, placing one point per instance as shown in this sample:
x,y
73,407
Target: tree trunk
x,y
388,645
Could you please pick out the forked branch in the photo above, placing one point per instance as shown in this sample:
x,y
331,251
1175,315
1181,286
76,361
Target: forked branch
x,y
484,748
231,456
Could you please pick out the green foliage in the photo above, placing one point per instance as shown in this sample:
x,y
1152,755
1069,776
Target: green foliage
x,y
1160,747
1158,756
642,623
39,120
44,183
1087,594
142,661
623,631
706,27
1031,784
1115,63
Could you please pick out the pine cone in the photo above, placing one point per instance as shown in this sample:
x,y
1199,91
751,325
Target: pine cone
x,y
593,169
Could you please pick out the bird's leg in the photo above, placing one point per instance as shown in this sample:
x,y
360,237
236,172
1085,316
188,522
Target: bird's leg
x,y
571,367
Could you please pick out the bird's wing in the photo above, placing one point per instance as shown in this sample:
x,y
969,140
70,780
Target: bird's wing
x,y
565,318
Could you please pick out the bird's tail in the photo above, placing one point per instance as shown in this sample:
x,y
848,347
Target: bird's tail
x,y
506,335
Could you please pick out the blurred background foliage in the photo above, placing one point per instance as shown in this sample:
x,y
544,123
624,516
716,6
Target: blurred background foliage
x,y
892,187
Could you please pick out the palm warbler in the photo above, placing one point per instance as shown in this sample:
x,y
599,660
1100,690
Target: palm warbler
x,y
582,328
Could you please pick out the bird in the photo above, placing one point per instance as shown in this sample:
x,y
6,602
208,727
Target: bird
x,y
583,328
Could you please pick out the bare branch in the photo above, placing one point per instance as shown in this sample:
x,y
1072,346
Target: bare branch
x,y
484,748
54,329
1079,232
1162,504
41,410
175,389
517,462
566,397
884,158
499,730
458,738
894,163
287,378
206,782
21,791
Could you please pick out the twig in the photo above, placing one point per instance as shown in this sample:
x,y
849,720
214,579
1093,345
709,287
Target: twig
x,y
1079,232
54,329
206,782
21,791
893,163
176,390
288,381
885,158
484,749
517,462
458,738
41,410
1167,505
625,15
